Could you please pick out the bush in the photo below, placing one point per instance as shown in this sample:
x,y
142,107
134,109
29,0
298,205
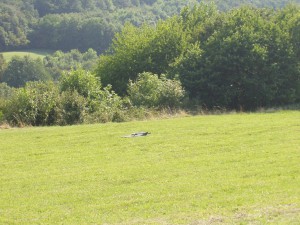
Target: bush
x,y
151,91
71,108
32,105
1,116
5,91
79,99
84,83
94,105
109,107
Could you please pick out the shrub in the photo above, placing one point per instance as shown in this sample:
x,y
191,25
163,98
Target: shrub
x,y
71,108
5,91
1,116
84,83
151,91
32,105
109,107
171,93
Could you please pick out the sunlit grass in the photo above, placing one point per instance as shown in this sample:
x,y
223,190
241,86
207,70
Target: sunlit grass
x,y
225,169
35,53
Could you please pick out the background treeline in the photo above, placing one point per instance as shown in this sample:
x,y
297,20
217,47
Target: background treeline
x,y
241,59
84,24
20,70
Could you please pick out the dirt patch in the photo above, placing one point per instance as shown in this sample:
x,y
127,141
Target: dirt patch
x,y
285,214
213,220
4,126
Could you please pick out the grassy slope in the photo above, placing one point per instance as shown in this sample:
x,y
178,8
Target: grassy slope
x,y
195,170
32,53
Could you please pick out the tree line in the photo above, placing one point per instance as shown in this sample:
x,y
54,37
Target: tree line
x,y
244,58
84,24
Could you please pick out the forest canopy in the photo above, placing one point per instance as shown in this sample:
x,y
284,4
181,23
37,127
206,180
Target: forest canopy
x,y
244,58
84,24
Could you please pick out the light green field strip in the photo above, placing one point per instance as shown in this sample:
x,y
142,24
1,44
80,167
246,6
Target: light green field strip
x,y
32,53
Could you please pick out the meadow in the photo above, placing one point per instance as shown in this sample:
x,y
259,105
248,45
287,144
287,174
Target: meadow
x,y
34,53
212,169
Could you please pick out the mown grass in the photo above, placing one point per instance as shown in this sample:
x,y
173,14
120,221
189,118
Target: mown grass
x,y
218,169
34,53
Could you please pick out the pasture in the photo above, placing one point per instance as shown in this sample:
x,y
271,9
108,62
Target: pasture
x,y
215,169
34,53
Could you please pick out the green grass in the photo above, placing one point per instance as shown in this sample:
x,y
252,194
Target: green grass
x,y
34,53
218,169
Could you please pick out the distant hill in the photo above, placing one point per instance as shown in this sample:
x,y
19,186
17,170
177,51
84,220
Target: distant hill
x,y
84,24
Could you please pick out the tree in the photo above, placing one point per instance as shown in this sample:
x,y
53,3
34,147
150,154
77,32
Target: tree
x,y
3,65
95,33
136,50
23,69
72,31
289,20
13,27
46,32
246,63
188,68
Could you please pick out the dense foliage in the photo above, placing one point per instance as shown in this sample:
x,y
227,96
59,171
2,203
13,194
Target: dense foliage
x,y
72,31
247,62
2,65
136,50
60,61
32,105
84,24
16,18
75,99
241,59
21,70
151,91
78,98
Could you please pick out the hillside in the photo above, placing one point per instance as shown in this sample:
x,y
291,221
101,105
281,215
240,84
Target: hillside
x,y
32,53
225,169
55,24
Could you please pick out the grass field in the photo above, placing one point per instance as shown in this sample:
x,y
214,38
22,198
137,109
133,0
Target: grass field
x,y
217,169
32,53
